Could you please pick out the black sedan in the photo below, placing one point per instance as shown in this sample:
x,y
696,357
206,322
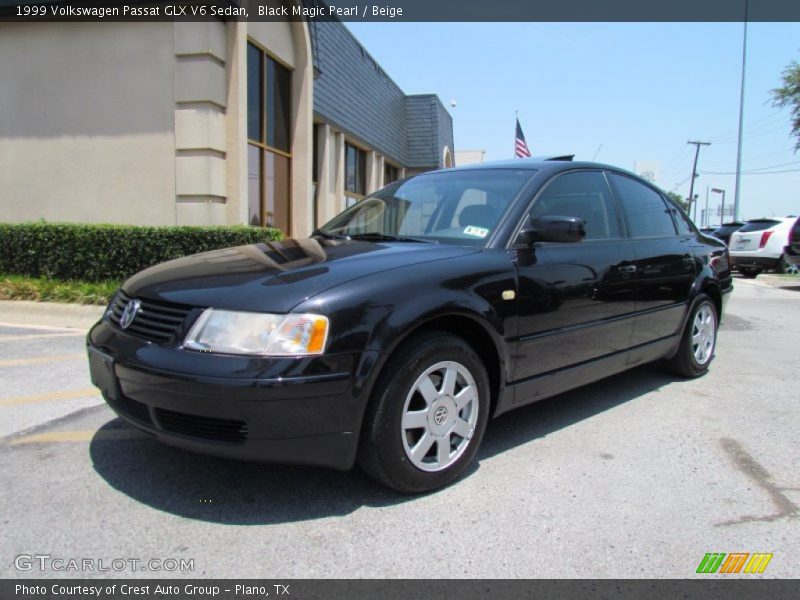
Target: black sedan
x,y
396,331
724,231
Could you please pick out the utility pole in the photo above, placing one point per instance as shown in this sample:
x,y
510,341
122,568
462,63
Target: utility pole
x,y
741,122
705,212
694,168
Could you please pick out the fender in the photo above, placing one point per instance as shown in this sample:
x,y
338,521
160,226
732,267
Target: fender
x,y
704,281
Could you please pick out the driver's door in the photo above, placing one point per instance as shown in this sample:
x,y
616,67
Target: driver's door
x,y
576,300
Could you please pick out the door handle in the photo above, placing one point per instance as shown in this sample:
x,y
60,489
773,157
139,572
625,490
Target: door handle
x,y
627,269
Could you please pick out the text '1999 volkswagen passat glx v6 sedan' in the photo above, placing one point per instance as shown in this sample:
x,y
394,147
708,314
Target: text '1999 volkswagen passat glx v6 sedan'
x,y
396,331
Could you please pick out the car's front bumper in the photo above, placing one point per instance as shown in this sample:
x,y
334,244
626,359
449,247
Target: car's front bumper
x,y
277,410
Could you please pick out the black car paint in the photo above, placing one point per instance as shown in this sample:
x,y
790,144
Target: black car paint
x,y
580,313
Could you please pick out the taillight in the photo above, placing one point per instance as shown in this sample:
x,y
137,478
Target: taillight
x,y
764,238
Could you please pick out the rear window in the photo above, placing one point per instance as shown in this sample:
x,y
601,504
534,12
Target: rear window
x,y
759,225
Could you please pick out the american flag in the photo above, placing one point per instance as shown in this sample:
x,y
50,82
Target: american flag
x,y
520,147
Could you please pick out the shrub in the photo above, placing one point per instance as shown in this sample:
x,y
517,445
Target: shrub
x,y
84,252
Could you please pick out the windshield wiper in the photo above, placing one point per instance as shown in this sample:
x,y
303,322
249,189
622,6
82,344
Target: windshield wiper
x,y
329,236
385,237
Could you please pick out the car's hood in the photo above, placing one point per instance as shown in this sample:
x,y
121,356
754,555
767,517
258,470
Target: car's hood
x,y
278,275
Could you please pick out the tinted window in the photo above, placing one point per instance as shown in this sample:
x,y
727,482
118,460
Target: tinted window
x,y
355,170
682,220
255,123
461,207
278,106
758,225
584,195
647,214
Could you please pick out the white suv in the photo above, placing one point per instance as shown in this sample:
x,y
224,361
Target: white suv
x,y
761,244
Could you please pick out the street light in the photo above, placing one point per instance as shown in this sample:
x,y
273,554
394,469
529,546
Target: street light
x,y
722,211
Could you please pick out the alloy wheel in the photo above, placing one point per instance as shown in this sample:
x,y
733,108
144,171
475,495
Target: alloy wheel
x,y
439,416
704,334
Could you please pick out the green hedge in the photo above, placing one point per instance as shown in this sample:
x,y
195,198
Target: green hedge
x,y
69,251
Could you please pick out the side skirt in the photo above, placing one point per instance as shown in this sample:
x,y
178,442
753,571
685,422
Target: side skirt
x,y
555,382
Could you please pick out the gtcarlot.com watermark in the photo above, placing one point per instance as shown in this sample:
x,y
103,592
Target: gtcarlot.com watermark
x,y
48,562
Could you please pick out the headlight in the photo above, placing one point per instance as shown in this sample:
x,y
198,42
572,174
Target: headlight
x,y
231,332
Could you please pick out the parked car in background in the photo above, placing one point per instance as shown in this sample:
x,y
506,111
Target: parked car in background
x,y
724,231
792,250
708,230
761,244
392,335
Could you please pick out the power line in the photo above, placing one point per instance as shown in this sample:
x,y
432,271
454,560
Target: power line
x,y
749,172
750,129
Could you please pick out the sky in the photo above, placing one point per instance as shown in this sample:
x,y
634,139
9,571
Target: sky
x,y
635,91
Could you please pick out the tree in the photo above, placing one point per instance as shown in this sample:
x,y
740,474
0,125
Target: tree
x,y
679,200
789,95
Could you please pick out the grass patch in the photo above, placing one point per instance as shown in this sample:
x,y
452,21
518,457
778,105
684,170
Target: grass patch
x,y
17,287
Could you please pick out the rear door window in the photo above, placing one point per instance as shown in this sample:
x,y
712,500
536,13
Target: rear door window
x,y
645,209
682,220
758,225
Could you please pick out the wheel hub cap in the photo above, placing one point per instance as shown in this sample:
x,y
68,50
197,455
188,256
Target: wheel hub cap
x,y
439,416
704,330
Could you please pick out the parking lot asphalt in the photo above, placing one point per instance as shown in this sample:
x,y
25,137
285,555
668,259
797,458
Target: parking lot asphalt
x,y
639,475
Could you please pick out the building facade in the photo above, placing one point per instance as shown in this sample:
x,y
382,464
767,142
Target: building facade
x,y
203,123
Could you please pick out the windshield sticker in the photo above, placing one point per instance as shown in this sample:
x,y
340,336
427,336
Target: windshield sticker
x,y
480,232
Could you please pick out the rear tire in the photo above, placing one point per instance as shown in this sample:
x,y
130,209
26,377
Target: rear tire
x,y
782,265
699,340
427,415
749,273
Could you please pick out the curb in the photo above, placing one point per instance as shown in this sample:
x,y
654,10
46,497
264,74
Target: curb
x,y
49,314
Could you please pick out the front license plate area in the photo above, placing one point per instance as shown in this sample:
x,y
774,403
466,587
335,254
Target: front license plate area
x,y
101,371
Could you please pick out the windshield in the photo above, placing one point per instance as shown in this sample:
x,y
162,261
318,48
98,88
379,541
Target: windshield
x,y
458,207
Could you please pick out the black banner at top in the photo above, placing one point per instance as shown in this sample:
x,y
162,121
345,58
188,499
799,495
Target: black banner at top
x,y
403,10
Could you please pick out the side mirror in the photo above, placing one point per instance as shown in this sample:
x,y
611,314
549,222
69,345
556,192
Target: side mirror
x,y
552,228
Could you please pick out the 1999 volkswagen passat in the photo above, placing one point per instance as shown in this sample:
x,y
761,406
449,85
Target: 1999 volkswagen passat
x,y
392,335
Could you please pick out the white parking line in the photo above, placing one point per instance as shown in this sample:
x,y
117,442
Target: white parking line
x,y
50,397
38,360
39,327
38,336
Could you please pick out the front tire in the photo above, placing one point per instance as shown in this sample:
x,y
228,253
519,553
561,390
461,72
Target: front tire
x,y
427,416
696,350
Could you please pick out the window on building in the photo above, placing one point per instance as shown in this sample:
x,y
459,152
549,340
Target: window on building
x,y
390,173
585,195
315,154
269,139
646,212
355,171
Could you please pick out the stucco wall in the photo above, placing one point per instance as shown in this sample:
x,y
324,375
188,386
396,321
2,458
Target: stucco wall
x,y
87,122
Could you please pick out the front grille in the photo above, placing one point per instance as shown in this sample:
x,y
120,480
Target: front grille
x,y
132,409
207,428
156,321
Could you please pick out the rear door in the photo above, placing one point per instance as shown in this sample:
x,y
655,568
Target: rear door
x,y
664,260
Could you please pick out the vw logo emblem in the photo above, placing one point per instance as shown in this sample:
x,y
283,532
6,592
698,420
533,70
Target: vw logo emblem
x,y
129,314
440,416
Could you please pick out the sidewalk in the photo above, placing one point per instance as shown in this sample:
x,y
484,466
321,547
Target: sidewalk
x,y
49,314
